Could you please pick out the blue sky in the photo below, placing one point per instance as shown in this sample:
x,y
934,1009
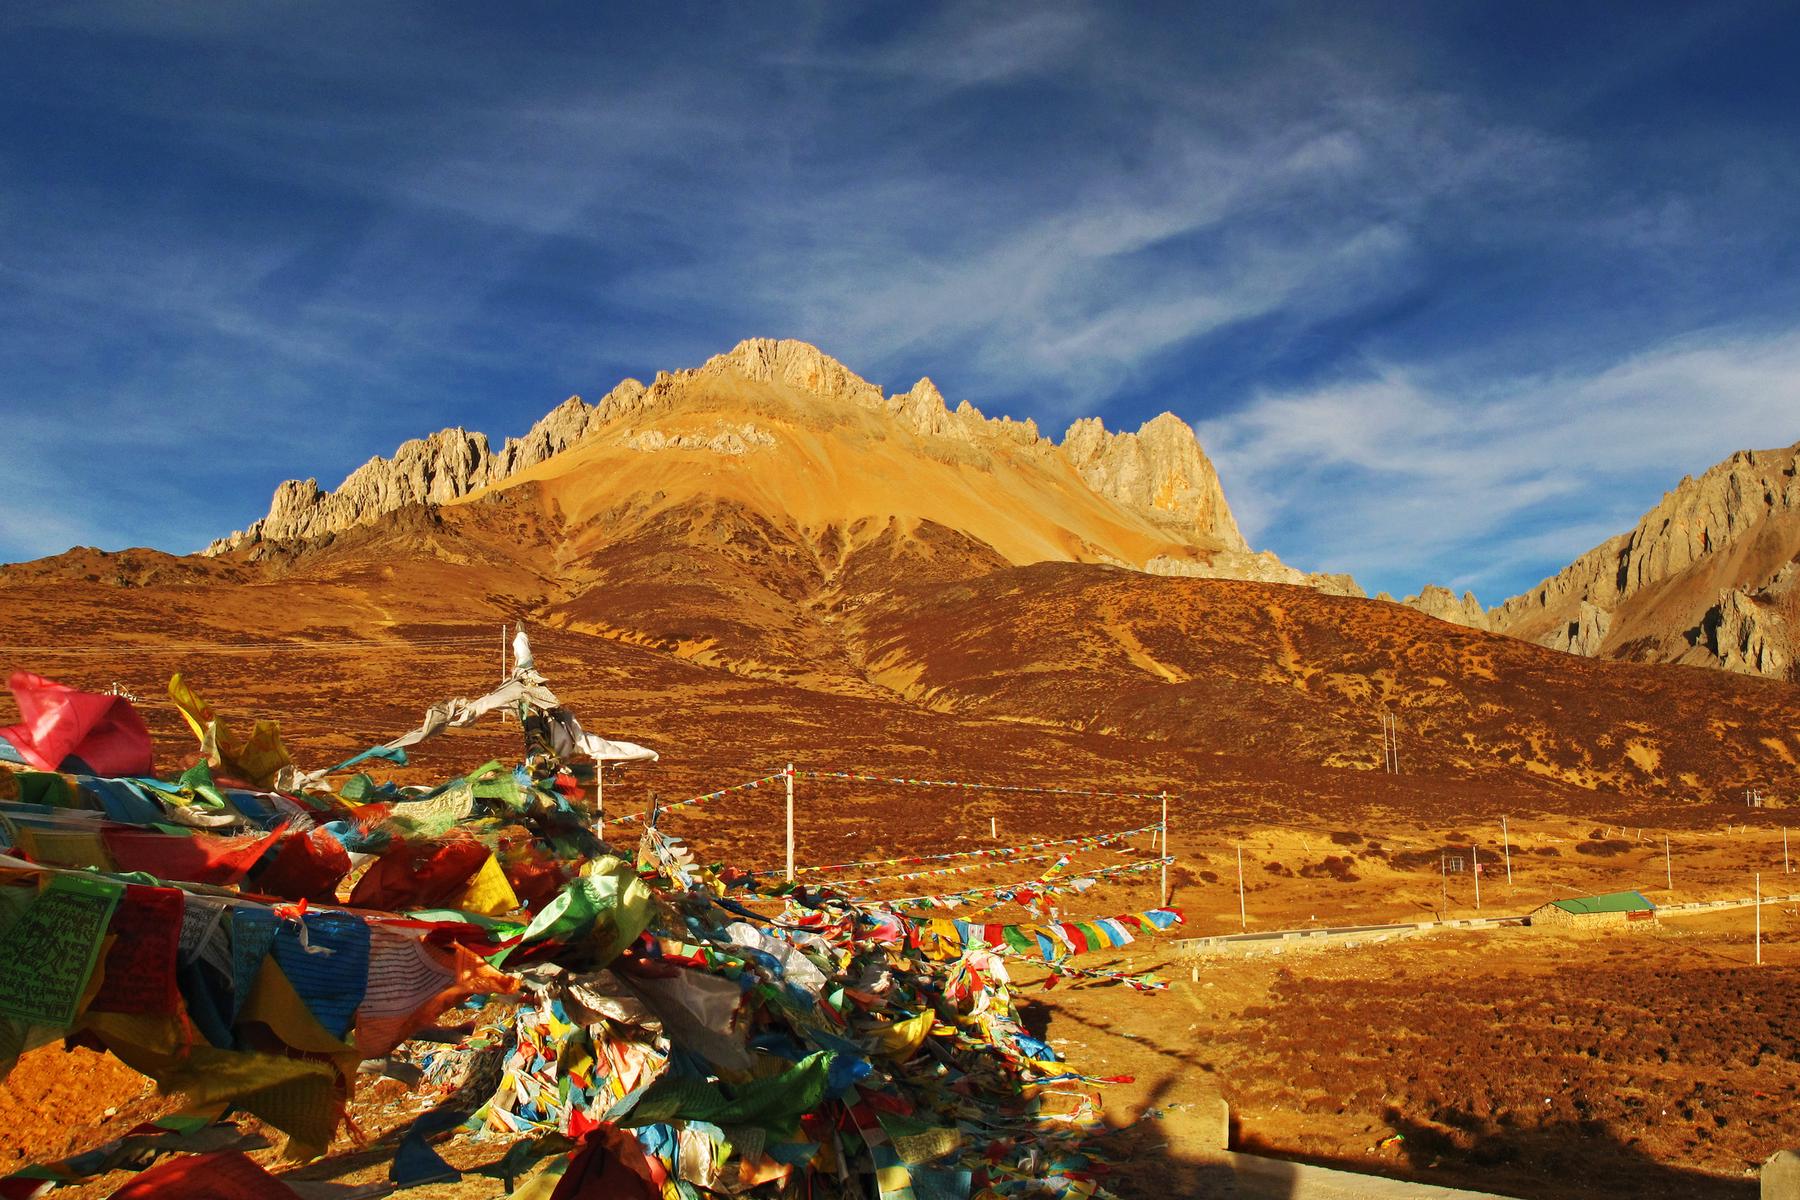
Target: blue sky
x,y
1451,291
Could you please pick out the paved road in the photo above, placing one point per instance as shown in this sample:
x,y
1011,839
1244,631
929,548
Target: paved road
x,y
1311,932
1328,932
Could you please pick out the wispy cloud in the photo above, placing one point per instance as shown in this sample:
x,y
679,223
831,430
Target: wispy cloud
x,y
1410,478
296,239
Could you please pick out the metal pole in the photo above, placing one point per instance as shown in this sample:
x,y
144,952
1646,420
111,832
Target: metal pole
x,y
1475,862
1243,920
994,829
1786,866
790,822
1668,866
503,652
600,800
1506,844
1165,849
1759,918
1444,881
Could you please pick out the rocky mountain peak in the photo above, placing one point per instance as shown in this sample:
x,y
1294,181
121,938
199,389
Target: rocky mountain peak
x,y
1698,580
1159,472
1160,469
796,364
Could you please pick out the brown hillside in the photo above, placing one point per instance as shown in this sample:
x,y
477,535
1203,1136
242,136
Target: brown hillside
x,y
711,626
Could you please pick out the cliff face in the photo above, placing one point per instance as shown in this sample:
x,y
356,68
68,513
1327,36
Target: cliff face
x,y
438,469
1159,473
1159,469
1705,578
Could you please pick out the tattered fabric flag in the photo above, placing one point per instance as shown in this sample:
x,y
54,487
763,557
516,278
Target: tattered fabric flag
x,y
226,1175
47,955
411,982
307,867
256,760
139,968
420,874
488,893
104,735
198,858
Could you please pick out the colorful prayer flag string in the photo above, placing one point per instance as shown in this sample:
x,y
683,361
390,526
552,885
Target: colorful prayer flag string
x,y
1062,881
692,800
1008,852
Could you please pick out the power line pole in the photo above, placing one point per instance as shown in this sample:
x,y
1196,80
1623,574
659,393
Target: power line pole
x,y
1243,920
1390,743
1506,846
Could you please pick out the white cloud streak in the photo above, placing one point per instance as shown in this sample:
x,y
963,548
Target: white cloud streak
x,y
789,181
1408,478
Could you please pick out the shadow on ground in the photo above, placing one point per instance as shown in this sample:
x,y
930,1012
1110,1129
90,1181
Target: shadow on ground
x,y
1160,1158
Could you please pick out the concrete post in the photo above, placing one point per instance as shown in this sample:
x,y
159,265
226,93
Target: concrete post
x,y
1781,1176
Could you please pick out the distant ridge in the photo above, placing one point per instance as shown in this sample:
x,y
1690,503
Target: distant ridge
x,y
1709,577
1158,480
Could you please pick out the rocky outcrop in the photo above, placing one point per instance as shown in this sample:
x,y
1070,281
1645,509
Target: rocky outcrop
x,y
796,364
1748,636
732,440
1701,579
1442,603
438,469
432,470
1261,567
1584,635
1159,470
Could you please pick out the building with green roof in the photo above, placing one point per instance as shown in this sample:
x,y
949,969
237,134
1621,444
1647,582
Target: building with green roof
x,y
1613,908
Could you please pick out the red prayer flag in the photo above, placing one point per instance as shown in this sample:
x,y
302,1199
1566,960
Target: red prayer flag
x,y
201,858
140,964
104,732
307,867
224,1175
419,874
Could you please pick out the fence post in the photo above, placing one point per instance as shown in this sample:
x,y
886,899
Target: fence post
x,y
1165,849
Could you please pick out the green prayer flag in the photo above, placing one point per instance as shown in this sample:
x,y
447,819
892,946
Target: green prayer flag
x,y
47,955
774,1102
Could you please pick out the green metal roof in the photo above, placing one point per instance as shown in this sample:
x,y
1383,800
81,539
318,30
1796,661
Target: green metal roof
x,y
1610,902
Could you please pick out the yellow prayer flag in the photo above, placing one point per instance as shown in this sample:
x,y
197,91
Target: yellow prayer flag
x,y
488,893
901,1040
198,712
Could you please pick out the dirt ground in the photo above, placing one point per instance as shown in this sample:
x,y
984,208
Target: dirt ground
x,y
1652,1061
1661,1054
